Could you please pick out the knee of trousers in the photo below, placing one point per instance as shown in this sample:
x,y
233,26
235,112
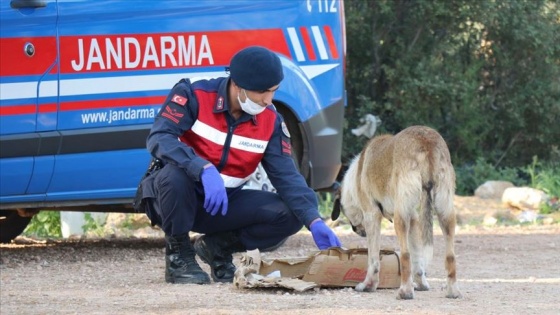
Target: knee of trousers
x,y
269,236
289,221
175,193
172,179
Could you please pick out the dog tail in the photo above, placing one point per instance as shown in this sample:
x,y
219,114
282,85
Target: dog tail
x,y
438,189
426,216
425,220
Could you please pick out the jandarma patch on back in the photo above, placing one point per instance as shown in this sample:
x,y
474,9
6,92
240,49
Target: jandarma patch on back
x,y
178,99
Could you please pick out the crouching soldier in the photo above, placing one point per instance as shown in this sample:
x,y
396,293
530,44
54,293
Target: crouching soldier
x,y
210,135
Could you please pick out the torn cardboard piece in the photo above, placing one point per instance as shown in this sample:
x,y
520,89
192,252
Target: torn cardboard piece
x,y
250,273
334,267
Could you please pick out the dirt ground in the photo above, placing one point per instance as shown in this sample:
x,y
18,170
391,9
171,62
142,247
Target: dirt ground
x,y
502,270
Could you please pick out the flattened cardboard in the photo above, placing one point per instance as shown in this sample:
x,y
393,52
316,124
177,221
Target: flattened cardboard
x,y
294,267
338,267
334,267
248,276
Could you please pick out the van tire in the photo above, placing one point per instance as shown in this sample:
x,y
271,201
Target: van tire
x,y
11,225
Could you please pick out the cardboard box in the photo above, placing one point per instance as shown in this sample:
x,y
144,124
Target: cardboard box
x,y
334,267
346,268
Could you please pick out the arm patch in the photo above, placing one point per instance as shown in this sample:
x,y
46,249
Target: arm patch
x,y
286,146
178,99
172,114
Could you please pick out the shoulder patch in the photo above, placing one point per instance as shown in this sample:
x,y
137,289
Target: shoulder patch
x,y
285,130
178,99
286,147
172,114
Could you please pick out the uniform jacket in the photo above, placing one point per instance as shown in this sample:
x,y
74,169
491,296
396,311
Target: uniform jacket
x,y
198,115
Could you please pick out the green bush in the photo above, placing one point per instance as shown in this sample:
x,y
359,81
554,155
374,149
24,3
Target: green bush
x,y
470,176
325,204
485,74
44,224
92,226
546,177
550,206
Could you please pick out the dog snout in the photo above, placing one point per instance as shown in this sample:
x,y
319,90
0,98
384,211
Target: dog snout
x,y
359,230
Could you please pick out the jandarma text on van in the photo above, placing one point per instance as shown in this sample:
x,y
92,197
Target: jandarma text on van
x,y
118,115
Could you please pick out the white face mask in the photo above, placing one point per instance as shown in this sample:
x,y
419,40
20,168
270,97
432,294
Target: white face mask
x,y
249,106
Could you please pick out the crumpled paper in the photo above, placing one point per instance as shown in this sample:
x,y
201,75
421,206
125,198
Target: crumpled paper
x,y
247,276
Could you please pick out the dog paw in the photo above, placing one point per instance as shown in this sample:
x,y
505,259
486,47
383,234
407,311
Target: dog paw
x,y
421,286
453,293
367,286
361,287
420,283
405,294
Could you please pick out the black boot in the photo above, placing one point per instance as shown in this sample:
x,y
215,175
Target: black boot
x,y
180,262
216,250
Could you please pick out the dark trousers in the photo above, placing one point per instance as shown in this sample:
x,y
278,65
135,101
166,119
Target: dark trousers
x,y
261,217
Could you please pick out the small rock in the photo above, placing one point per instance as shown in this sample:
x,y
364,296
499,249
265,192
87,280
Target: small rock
x,y
489,221
524,197
492,189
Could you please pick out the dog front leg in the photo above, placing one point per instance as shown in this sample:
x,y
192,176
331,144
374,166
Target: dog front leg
x,y
372,224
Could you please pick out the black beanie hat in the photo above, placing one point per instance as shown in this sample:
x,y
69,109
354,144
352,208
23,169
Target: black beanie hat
x,y
256,68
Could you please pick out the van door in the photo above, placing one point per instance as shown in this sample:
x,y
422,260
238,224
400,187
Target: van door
x,y
28,97
107,100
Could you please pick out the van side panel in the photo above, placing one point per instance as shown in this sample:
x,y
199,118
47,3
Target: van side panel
x,y
117,60
28,97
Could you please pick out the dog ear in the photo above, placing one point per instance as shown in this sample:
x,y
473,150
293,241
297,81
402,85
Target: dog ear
x,y
336,209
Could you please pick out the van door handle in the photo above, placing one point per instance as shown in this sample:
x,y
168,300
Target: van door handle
x,y
22,4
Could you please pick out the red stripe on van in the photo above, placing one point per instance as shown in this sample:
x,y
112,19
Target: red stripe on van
x,y
112,103
14,60
332,43
18,110
121,52
307,42
47,108
82,105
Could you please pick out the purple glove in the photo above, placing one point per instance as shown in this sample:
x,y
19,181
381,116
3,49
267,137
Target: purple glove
x,y
323,236
215,197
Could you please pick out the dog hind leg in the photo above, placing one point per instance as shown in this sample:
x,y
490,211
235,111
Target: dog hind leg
x,y
418,256
402,226
421,239
447,221
372,223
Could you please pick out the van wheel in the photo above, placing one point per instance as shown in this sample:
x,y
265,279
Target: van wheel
x,y
11,225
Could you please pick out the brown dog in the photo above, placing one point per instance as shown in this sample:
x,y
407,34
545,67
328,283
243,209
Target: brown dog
x,y
407,177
